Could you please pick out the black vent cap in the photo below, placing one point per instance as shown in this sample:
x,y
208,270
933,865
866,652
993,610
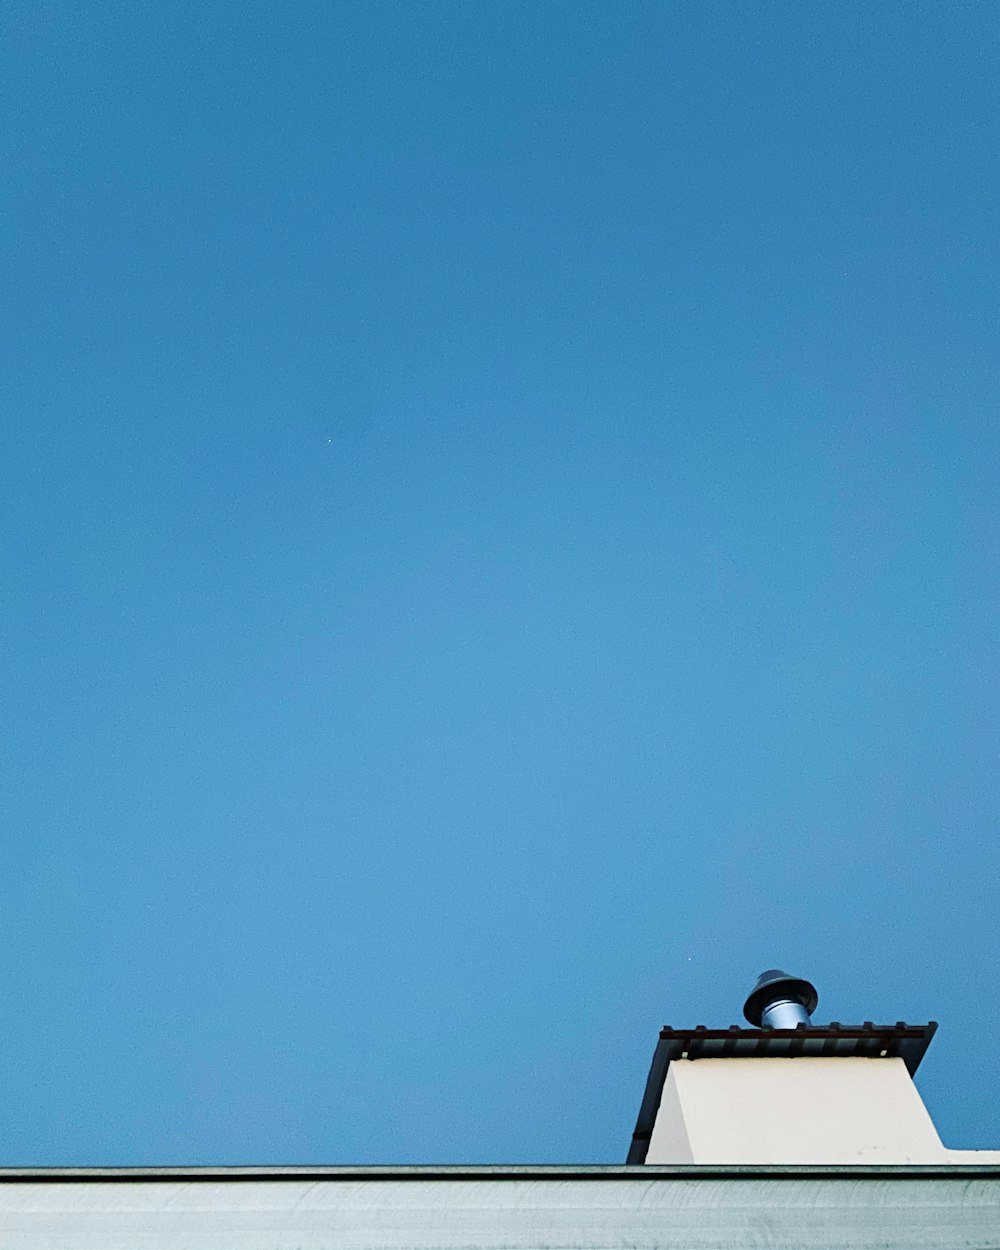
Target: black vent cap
x,y
774,984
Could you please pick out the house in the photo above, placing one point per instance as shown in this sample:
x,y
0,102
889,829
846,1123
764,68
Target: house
x,y
782,1136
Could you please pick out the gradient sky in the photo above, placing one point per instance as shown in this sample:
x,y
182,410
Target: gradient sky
x,y
500,545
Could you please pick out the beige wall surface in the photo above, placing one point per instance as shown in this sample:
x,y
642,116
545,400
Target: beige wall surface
x,y
805,1110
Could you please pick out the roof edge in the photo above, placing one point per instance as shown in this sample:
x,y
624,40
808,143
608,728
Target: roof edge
x,y
563,1171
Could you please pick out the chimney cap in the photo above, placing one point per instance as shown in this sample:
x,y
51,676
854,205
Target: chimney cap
x,y
774,984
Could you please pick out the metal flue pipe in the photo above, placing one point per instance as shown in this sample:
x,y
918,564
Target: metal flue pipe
x,y
779,1001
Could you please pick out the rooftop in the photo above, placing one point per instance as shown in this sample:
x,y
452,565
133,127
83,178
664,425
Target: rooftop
x,y
908,1042
502,1208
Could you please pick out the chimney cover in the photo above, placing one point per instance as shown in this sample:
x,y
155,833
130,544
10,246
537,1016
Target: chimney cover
x,y
774,985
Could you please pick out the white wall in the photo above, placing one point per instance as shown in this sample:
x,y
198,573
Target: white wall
x,y
805,1110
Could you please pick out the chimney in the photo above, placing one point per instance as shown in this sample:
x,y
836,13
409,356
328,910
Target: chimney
x,y
779,1001
787,1090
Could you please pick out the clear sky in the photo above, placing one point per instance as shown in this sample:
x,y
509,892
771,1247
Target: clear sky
x,y
499,545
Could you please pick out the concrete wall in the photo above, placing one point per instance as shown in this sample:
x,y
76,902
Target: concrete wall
x,y
490,1209
804,1110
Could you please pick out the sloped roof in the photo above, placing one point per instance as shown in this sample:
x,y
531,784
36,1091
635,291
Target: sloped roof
x,y
502,1208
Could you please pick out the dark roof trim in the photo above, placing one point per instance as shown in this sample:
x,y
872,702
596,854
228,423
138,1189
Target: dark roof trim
x,y
512,1172
908,1042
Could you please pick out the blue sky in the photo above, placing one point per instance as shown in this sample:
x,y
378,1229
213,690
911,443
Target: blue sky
x,y
500,546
